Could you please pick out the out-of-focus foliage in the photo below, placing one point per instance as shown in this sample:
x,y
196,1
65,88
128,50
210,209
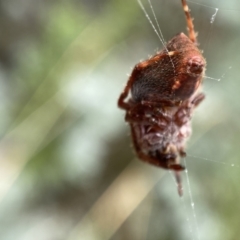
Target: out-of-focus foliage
x,y
66,165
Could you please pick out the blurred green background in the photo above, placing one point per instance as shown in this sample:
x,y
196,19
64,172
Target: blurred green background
x,y
67,170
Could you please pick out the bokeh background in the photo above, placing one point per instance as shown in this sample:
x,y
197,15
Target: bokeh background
x,y
67,169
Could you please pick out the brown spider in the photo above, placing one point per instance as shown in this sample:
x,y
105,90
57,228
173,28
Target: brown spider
x,y
165,90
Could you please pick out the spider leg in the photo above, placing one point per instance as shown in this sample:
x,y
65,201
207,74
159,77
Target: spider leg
x,y
138,69
182,152
121,103
191,31
179,182
139,113
184,112
140,117
142,156
182,115
175,167
159,102
198,99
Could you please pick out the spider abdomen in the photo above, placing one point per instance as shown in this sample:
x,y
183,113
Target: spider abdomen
x,y
172,75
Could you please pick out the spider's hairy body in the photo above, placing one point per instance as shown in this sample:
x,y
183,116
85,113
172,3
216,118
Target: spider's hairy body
x,y
164,90
169,75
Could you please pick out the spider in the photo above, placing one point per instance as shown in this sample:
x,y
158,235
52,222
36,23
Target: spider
x,y
160,97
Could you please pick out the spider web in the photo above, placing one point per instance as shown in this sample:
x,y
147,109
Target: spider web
x,y
136,201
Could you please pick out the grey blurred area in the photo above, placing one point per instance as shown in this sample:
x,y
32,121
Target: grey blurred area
x,y
67,168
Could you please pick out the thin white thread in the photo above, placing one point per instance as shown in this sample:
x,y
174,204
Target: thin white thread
x,y
155,30
222,76
191,199
159,29
211,25
187,218
214,15
184,206
216,79
150,21
220,162
204,5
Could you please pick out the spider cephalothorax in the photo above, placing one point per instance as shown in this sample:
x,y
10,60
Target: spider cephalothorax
x,y
164,90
